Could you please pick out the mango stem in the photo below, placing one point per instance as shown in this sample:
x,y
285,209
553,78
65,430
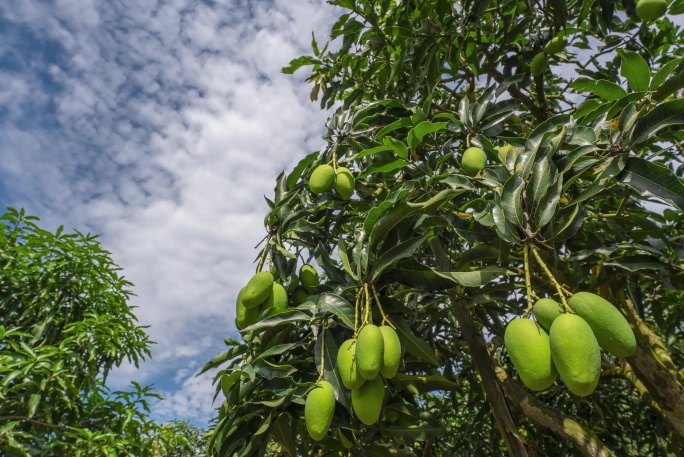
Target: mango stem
x,y
555,283
382,312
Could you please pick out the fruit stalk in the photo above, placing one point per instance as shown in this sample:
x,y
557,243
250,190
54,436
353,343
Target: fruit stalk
x,y
262,259
559,289
382,312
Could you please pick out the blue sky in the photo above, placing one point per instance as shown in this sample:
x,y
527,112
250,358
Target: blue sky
x,y
159,124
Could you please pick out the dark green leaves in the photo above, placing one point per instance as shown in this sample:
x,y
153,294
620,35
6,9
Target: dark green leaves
x,y
668,113
653,179
601,88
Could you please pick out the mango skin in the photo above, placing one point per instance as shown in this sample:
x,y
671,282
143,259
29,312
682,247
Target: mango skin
x,y
245,317
576,353
367,400
300,295
392,352
530,351
257,289
277,299
473,161
370,351
556,44
308,276
321,179
346,365
538,64
344,182
651,9
546,311
610,327
319,409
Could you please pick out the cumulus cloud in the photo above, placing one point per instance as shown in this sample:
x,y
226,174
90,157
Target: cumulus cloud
x,y
159,125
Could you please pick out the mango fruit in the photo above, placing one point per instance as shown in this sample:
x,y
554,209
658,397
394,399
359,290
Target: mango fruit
x,y
610,327
473,161
346,365
321,179
546,310
651,9
538,64
367,400
300,295
392,352
530,351
556,44
277,299
576,353
370,351
257,289
308,276
344,182
319,408
245,317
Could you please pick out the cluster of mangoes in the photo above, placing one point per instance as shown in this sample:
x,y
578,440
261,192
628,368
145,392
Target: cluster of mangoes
x,y
325,176
568,344
262,293
360,362
553,46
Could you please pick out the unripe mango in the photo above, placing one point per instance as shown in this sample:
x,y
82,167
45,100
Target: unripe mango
x,y
277,299
538,64
308,276
576,353
257,289
473,161
370,351
529,349
321,179
556,44
319,409
300,295
344,182
546,311
612,330
245,317
392,352
651,9
367,400
346,365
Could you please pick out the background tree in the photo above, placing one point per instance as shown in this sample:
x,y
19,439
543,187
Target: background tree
x,y
579,158
65,323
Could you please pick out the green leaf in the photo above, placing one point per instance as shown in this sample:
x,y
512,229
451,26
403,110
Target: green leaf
x,y
393,217
666,70
543,174
283,434
670,86
384,166
601,88
397,146
668,113
653,179
421,276
610,169
414,345
548,204
293,177
571,220
338,306
371,151
296,64
427,127
276,350
423,384
511,199
636,262
421,432
392,255
635,69
34,400
286,317
401,123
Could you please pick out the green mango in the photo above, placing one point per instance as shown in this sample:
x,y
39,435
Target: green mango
x,y
321,179
308,276
392,352
319,408
556,44
346,365
257,289
344,182
651,9
538,64
530,351
367,400
612,330
473,161
576,353
370,351
277,299
546,310
300,295
245,317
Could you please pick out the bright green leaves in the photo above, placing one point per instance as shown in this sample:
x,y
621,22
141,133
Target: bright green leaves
x,y
635,69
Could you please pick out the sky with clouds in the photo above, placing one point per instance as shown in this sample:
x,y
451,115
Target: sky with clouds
x,y
159,124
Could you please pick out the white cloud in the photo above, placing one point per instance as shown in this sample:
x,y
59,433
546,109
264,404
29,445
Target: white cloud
x,y
161,126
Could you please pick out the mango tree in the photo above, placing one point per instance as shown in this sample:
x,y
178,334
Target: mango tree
x,y
500,154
